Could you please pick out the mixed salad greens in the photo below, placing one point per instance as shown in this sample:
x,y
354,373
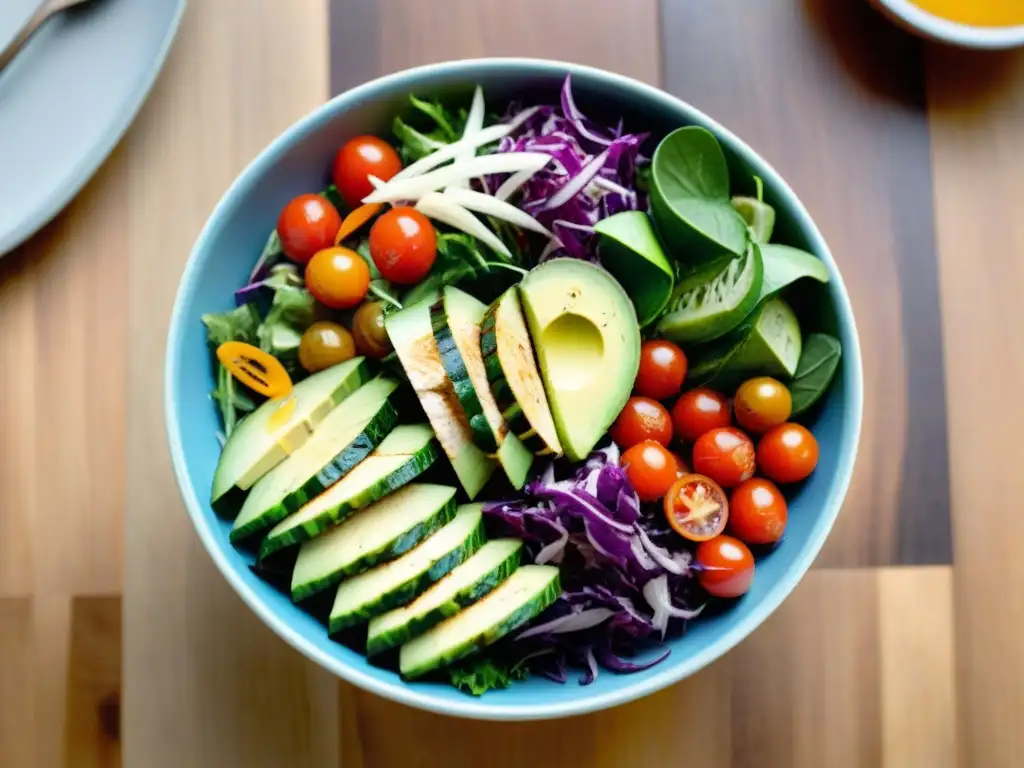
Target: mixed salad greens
x,y
490,399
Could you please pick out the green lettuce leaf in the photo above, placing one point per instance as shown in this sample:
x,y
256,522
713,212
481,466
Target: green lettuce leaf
x,y
291,312
480,674
239,324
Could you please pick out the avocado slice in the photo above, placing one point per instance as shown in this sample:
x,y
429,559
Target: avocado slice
x,y
272,432
587,340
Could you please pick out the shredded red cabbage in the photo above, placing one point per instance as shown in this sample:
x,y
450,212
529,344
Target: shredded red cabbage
x,y
593,175
615,558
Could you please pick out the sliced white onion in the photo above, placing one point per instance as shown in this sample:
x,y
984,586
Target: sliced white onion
x,y
646,561
453,150
414,188
436,206
499,209
661,556
474,123
553,244
571,622
554,550
657,596
575,185
513,183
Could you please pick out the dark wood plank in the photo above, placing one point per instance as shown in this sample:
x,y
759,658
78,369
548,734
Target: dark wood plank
x,y
833,97
17,682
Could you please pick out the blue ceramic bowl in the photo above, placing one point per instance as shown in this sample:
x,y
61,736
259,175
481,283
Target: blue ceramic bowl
x,y
297,162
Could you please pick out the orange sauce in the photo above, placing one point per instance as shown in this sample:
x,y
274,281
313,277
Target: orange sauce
x,y
978,13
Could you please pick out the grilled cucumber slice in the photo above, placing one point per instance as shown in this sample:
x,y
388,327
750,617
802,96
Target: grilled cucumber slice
x,y
520,598
396,583
345,438
484,571
381,532
404,454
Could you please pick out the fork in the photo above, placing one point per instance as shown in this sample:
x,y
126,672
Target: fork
x,y
45,10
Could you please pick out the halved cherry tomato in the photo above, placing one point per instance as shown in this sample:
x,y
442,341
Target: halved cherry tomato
x,y
651,469
662,369
788,453
368,330
403,245
338,277
642,419
698,411
258,370
724,454
306,225
325,344
696,507
757,512
762,403
726,566
356,161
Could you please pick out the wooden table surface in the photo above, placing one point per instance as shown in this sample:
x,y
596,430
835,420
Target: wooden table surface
x,y
901,648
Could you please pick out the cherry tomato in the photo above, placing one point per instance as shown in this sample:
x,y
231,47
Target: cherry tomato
x,y
726,566
757,512
662,369
306,225
642,419
726,455
788,453
696,507
403,245
356,161
338,277
325,344
761,404
651,469
368,330
698,411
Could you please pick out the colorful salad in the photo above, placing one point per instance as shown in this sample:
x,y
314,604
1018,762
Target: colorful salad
x,y
519,392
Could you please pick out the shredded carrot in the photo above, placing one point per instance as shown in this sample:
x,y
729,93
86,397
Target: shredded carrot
x,y
355,220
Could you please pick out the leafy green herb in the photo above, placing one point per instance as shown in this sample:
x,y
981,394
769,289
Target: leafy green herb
x,y
412,143
379,287
333,196
690,197
427,129
239,324
440,116
291,312
459,259
818,364
480,674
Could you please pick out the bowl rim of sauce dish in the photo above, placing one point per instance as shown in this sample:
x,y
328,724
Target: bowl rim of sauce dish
x,y
916,19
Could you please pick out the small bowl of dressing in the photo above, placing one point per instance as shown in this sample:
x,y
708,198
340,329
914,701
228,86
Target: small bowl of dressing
x,y
983,24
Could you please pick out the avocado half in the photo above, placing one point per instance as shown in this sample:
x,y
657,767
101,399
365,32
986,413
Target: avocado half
x,y
587,340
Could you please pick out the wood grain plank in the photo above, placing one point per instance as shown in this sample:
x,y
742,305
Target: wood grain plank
x,y
16,682
206,684
832,96
976,110
917,667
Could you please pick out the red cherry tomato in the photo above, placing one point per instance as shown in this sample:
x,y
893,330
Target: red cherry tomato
x,y
726,566
698,411
696,507
642,419
306,225
338,277
757,512
356,161
762,403
662,369
403,245
788,453
651,469
724,454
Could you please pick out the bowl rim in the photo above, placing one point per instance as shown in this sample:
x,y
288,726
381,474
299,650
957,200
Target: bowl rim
x,y
479,708
952,32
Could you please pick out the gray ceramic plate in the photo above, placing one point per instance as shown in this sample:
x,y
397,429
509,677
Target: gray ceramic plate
x,y
68,97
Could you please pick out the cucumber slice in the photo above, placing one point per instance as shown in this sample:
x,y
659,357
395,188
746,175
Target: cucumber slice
x,y
455,320
345,438
404,454
411,334
262,440
396,583
379,533
513,374
484,571
715,300
520,598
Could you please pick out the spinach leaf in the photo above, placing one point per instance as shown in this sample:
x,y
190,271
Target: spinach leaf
x,y
690,197
239,324
784,265
818,364
480,674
